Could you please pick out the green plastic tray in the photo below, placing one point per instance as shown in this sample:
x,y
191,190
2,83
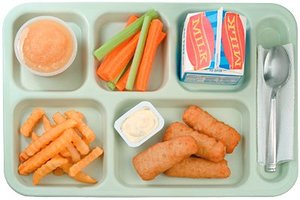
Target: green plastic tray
x,y
79,88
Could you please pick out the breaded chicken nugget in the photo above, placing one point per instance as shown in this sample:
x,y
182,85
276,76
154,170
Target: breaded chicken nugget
x,y
194,167
162,156
203,122
208,147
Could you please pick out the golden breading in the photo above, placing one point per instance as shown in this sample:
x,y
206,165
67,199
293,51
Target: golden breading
x,y
203,122
161,156
194,167
208,147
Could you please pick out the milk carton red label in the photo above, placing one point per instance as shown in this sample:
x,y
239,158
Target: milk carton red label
x,y
213,47
233,40
200,41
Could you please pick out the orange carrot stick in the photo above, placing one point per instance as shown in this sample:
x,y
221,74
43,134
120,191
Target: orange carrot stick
x,y
113,53
119,61
148,56
121,84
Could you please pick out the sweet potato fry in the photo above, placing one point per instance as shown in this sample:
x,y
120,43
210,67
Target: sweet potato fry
x,y
34,136
95,153
87,133
45,154
58,171
80,145
46,138
73,151
65,153
80,176
46,123
31,121
75,114
47,168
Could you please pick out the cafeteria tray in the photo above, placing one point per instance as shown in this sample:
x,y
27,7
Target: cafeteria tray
x,y
79,88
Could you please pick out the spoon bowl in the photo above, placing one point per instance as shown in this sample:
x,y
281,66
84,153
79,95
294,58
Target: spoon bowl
x,y
276,67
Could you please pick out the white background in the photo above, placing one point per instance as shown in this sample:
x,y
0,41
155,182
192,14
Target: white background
x,y
6,5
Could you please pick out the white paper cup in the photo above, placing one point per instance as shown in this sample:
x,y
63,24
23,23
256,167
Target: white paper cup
x,y
144,104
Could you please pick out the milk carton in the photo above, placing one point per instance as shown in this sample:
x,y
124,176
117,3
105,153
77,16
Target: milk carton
x,y
213,47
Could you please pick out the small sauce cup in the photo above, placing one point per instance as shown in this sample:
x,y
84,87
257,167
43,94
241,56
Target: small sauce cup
x,y
142,105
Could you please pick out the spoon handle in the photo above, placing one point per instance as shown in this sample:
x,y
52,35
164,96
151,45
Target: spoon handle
x,y
271,157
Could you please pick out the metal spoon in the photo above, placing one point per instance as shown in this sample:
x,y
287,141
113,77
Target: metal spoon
x,y
276,73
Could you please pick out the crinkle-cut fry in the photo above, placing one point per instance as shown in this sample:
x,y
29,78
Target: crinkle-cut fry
x,y
46,123
80,176
75,113
58,171
58,118
31,121
80,145
46,138
48,167
65,153
77,167
73,151
87,133
45,154
34,136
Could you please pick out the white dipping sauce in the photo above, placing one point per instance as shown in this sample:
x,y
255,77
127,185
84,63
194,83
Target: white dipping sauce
x,y
139,124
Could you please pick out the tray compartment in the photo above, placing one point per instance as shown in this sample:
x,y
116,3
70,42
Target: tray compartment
x,y
95,119
69,80
272,31
110,24
198,87
172,110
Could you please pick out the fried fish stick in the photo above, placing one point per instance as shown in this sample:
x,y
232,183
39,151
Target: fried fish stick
x,y
203,122
46,138
29,124
162,156
208,147
47,168
193,167
45,154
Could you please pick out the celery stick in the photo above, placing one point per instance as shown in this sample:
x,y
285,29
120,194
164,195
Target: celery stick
x,y
138,53
123,35
112,84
